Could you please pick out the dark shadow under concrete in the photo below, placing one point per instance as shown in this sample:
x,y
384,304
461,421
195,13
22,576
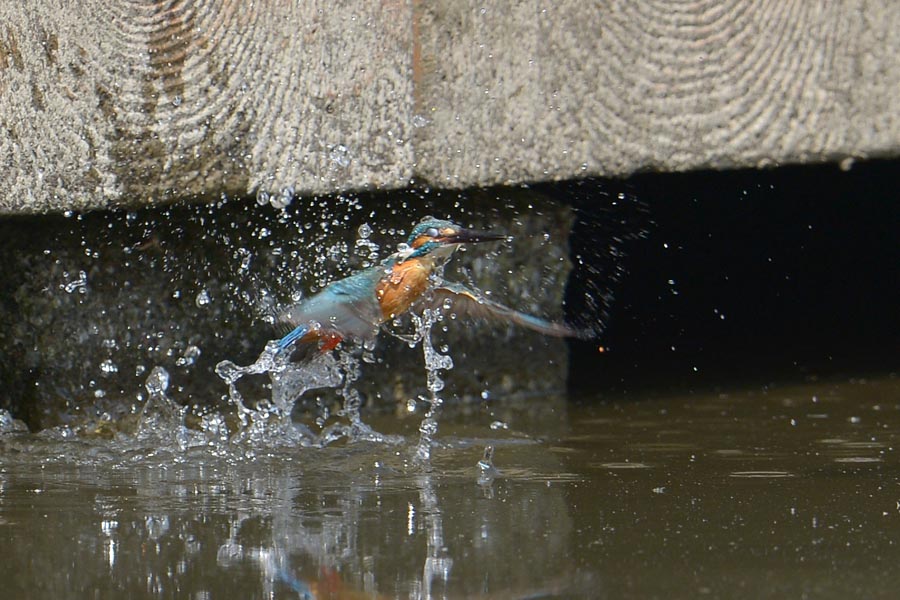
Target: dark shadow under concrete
x,y
745,277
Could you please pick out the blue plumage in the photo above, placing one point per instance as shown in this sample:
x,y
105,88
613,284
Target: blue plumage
x,y
297,333
356,306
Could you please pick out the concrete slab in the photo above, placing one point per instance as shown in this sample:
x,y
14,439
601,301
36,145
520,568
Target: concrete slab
x,y
113,102
553,90
107,103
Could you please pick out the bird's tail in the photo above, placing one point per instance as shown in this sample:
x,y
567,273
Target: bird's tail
x,y
295,334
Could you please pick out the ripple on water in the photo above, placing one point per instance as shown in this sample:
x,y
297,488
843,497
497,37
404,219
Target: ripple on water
x,y
863,445
540,476
844,443
761,474
620,466
729,452
662,447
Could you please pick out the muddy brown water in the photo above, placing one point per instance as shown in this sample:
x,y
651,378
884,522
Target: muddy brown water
x,y
764,492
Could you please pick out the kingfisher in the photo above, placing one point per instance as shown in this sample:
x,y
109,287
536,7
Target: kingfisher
x,y
357,306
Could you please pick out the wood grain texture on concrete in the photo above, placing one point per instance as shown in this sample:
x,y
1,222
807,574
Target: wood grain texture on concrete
x,y
118,101
141,101
551,90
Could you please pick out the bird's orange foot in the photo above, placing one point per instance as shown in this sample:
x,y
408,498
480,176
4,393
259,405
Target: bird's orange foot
x,y
329,342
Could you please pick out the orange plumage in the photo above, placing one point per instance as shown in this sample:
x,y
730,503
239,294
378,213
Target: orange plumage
x,y
407,281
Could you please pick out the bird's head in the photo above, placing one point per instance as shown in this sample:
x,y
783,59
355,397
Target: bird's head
x,y
440,238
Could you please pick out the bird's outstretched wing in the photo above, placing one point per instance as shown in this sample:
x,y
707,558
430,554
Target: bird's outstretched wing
x,y
464,301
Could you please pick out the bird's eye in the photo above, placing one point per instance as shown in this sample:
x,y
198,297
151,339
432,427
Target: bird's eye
x,y
432,232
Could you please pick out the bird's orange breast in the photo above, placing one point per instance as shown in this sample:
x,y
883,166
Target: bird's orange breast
x,y
406,282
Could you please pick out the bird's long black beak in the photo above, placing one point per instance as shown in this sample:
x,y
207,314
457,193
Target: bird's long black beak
x,y
471,236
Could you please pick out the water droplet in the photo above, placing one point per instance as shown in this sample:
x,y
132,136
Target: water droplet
x,y
428,427
189,357
229,371
282,200
340,155
108,367
157,382
79,283
202,298
246,258
487,472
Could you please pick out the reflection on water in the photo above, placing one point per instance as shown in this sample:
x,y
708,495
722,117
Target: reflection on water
x,y
769,492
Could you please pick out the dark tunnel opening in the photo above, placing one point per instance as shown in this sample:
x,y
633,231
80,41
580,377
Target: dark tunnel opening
x,y
739,277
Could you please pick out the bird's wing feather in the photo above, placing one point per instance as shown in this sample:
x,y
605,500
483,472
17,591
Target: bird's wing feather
x,y
465,301
347,307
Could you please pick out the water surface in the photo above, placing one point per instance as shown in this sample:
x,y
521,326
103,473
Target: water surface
x,y
775,491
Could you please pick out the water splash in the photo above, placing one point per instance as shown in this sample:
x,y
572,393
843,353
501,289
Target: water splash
x,y
139,288
231,373
487,472
290,381
434,362
339,370
356,430
161,420
270,421
9,424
